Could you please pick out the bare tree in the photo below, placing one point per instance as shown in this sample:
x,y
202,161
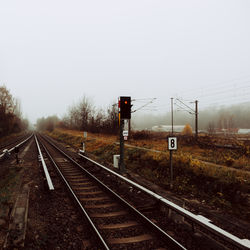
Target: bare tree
x,y
112,118
10,113
86,109
74,118
6,101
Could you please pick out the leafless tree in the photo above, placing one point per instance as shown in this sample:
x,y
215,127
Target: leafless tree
x,y
86,111
10,113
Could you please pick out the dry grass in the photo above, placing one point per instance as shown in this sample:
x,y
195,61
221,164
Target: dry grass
x,y
197,157
220,185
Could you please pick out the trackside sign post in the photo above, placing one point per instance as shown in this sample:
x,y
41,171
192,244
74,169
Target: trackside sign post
x,y
172,145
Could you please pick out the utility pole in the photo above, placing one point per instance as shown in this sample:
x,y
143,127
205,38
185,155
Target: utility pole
x,y
191,111
171,152
196,119
172,115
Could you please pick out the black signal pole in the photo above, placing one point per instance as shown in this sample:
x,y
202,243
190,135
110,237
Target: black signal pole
x,y
121,163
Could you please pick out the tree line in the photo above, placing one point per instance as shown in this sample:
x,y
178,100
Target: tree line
x,y
10,114
86,117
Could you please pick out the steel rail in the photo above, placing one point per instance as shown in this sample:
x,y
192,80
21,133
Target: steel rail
x,y
197,219
18,145
19,138
45,169
174,244
76,199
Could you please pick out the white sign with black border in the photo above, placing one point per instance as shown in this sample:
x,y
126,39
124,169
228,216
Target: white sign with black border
x,y
172,143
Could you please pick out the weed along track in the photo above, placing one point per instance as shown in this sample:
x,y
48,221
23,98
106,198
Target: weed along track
x,y
117,224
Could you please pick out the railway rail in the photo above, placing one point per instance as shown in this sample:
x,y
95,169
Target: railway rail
x,y
124,214
16,143
196,220
45,170
116,223
12,142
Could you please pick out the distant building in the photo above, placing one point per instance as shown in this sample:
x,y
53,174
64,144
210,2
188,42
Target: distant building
x,y
168,128
244,131
226,131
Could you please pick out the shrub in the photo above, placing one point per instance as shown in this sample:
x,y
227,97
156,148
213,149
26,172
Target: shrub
x,y
140,135
187,130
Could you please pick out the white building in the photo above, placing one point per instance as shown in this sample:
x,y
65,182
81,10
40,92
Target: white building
x,y
168,128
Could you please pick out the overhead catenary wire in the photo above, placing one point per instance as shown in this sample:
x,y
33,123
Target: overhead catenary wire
x,y
146,104
219,85
185,104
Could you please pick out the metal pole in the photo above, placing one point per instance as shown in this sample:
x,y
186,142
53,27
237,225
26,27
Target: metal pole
x,y
196,119
170,156
129,127
172,115
171,169
121,163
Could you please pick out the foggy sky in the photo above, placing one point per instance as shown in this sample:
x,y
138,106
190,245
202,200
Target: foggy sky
x,y
52,53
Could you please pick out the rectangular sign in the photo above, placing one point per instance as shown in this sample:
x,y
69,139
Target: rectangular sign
x,y
125,133
85,134
172,143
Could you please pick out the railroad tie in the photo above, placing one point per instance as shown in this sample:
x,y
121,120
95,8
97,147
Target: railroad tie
x,y
111,214
89,193
119,225
102,198
79,188
129,240
101,205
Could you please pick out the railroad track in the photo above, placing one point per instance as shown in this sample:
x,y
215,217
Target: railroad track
x,y
116,223
17,143
13,142
192,231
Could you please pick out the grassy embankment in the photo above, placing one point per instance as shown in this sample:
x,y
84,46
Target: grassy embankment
x,y
221,186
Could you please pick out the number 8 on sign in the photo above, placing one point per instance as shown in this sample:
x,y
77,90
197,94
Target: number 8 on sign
x,y
172,143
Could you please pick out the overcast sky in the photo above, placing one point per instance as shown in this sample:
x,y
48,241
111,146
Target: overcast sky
x,y
53,52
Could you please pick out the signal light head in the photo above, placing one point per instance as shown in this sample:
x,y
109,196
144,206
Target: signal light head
x,y
125,107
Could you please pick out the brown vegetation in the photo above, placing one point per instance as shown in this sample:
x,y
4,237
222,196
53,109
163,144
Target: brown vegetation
x,y
10,114
187,130
222,185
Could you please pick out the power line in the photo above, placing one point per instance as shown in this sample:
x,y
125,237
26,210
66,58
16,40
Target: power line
x,y
219,84
146,104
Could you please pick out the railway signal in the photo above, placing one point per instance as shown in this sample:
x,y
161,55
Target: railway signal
x,y
125,107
